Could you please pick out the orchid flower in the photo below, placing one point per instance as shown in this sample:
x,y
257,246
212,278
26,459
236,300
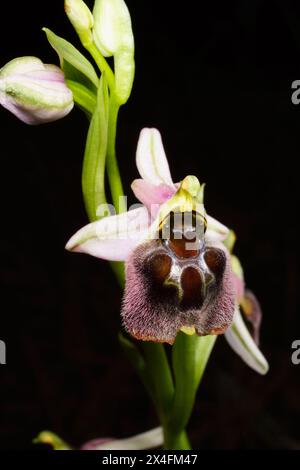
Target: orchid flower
x,y
34,92
178,275
146,440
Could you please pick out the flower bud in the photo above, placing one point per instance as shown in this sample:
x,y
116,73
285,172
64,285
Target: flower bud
x,y
81,18
33,91
113,36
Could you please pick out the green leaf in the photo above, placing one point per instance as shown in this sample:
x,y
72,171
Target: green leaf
x,y
118,268
70,59
71,73
95,153
203,348
189,357
83,97
158,370
133,354
147,373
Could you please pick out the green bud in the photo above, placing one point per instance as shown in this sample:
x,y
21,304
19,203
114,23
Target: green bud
x,y
113,37
81,18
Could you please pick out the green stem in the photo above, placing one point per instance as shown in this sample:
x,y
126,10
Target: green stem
x,y
84,98
158,368
119,271
102,64
178,441
190,356
113,172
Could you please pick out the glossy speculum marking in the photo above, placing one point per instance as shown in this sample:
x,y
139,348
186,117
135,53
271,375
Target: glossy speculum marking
x,y
181,262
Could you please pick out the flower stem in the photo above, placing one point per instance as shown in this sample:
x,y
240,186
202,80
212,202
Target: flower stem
x,y
161,378
113,172
178,441
102,64
189,357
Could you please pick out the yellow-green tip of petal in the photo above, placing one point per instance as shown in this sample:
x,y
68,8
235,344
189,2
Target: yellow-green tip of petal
x,y
230,241
191,184
48,437
186,199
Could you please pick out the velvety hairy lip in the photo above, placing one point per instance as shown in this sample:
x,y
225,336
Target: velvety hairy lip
x,y
165,293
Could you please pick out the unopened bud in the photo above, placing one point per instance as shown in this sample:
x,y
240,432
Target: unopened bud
x,y
81,18
33,91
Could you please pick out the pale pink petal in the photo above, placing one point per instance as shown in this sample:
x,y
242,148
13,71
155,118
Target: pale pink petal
x,y
149,194
112,238
95,444
146,440
151,159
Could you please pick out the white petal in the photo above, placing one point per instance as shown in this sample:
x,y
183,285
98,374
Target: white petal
x,y
112,238
242,343
146,440
151,159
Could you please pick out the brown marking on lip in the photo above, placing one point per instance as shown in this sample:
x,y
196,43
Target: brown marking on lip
x,y
215,260
193,289
159,267
185,247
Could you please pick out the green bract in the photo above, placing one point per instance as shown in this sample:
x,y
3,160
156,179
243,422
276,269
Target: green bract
x,y
72,61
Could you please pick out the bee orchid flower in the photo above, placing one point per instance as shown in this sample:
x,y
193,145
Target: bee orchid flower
x,y
178,270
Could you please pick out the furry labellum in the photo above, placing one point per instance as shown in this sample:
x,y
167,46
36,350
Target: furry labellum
x,y
178,282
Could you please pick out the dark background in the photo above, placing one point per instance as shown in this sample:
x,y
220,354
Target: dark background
x,y
216,80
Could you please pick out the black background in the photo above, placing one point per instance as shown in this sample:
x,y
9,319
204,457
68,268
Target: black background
x,y
215,78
